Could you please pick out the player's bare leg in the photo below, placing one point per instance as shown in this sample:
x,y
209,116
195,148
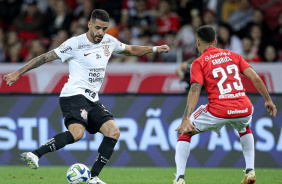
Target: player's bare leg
x,y
75,133
111,134
247,141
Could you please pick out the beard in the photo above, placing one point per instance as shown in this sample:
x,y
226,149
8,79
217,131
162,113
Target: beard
x,y
95,37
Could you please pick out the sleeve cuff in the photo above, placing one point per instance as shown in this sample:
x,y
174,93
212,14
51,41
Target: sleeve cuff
x,y
58,54
193,81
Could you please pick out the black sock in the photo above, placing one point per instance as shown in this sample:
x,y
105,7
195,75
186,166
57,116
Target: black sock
x,y
248,170
57,142
105,152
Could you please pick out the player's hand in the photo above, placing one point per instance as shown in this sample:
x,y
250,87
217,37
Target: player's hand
x,y
271,108
11,78
163,48
186,127
181,76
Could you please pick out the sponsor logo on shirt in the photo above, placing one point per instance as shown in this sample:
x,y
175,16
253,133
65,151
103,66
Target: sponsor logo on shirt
x,y
232,95
106,50
64,50
221,60
237,111
96,76
83,46
92,94
217,55
97,70
106,42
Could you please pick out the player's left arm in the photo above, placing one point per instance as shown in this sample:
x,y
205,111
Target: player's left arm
x,y
247,71
192,100
134,50
259,85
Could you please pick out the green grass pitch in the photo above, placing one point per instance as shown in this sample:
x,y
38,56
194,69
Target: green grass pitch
x,y
122,175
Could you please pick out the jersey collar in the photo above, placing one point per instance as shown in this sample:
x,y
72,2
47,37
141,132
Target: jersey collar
x,y
210,48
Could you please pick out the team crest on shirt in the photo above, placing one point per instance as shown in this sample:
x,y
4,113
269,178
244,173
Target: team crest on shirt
x,y
83,113
106,50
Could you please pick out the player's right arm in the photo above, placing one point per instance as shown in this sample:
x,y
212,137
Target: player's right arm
x,y
197,81
258,83
34,63
192,100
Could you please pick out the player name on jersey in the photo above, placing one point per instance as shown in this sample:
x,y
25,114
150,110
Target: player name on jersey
x,y
221,60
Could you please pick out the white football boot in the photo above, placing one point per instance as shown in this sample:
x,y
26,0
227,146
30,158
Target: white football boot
x,y
31,159
96,180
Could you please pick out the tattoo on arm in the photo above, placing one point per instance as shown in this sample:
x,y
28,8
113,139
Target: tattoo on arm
x,y
187,112
38,61
191,111
196,87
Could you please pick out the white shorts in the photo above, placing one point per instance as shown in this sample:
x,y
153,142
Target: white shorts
x,y
205,121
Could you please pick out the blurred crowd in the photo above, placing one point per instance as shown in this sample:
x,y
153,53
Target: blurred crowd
x,y
251,28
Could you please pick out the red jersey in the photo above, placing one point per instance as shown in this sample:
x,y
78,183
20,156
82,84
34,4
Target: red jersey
x,y
221,72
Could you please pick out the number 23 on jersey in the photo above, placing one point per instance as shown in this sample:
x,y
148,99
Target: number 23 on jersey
x,y
232,71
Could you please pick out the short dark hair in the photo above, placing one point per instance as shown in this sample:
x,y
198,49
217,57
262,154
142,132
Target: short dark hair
x,y
100,14
206,33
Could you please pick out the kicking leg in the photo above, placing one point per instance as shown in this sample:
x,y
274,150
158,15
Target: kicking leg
x,y
247,141
111,134
75,133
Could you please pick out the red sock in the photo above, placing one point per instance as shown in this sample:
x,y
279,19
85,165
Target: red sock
x,y
184,137
248,131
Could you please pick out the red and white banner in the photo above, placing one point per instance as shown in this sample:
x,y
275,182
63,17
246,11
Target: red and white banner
x,y
126,78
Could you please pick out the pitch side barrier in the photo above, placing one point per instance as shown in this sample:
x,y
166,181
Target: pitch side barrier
x,y
147,123
126,78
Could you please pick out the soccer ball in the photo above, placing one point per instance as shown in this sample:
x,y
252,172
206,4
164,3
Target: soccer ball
x,y
78,173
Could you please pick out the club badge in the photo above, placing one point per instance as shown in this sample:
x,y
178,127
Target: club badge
x,y
106,50
83,113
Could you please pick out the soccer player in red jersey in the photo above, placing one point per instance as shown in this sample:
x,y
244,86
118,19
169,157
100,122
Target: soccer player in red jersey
x,y
221,71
